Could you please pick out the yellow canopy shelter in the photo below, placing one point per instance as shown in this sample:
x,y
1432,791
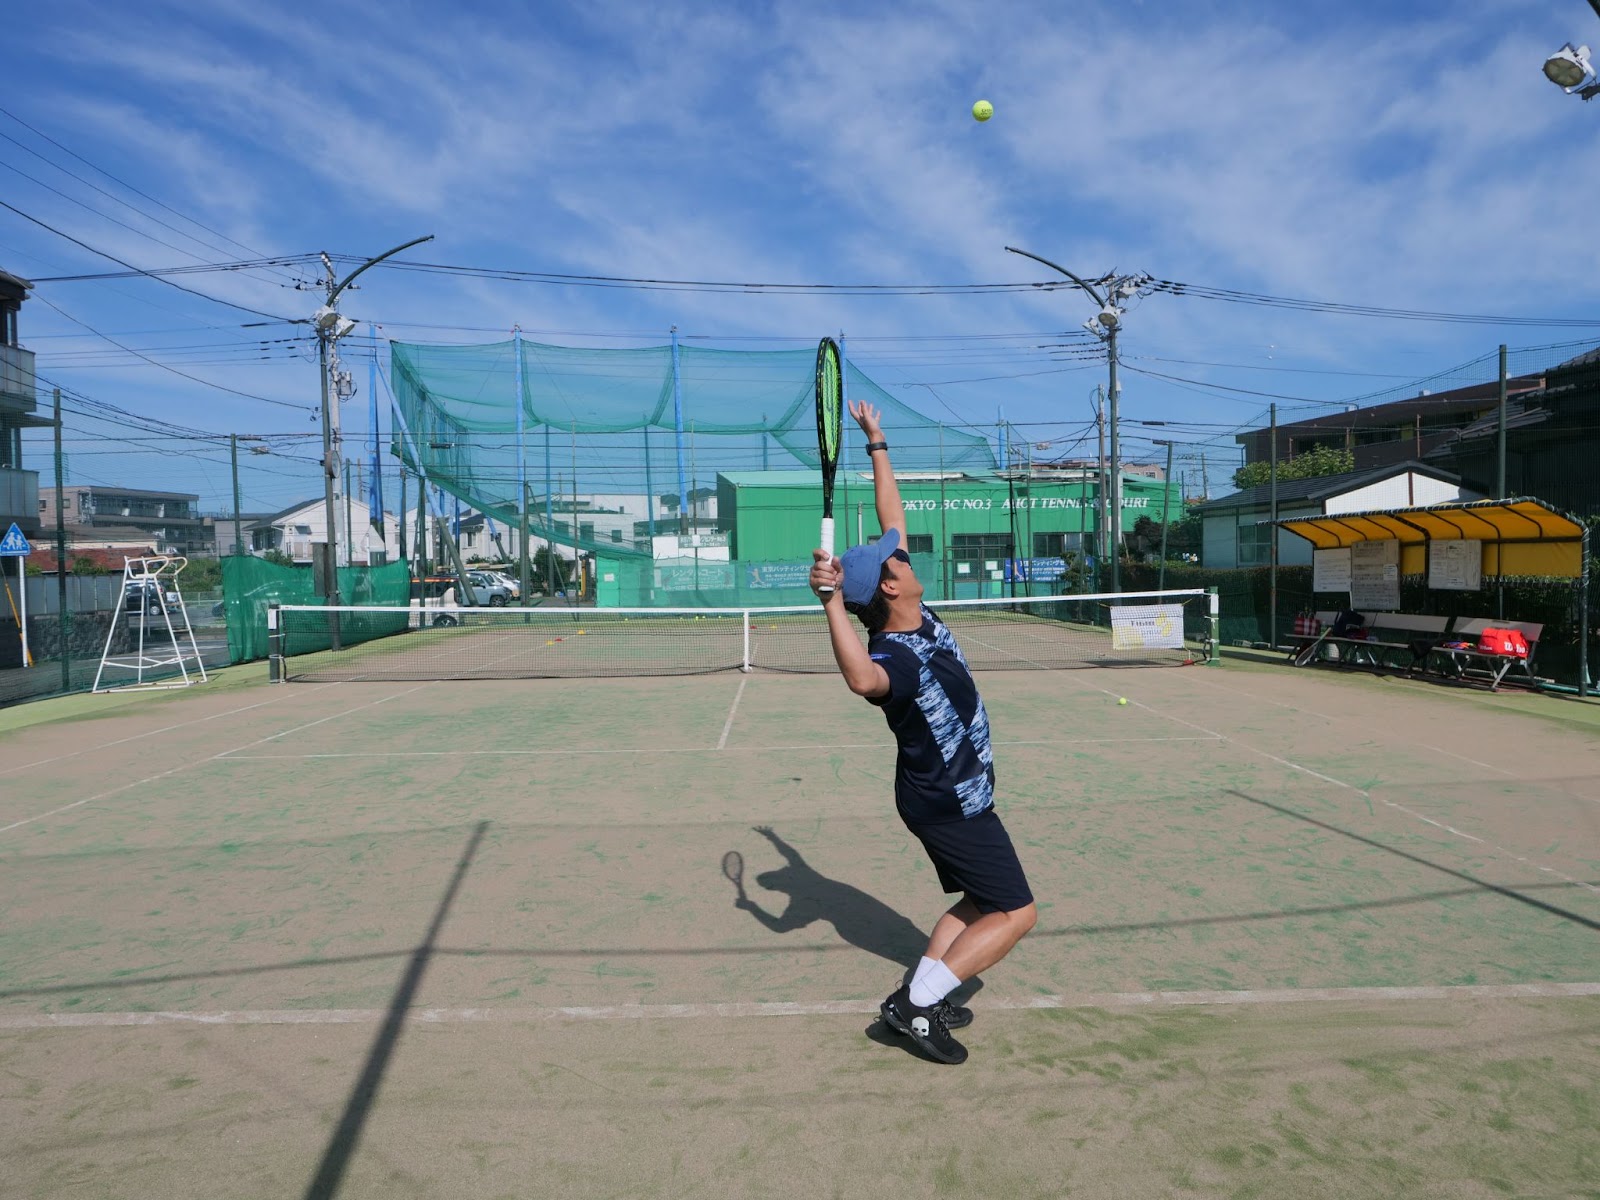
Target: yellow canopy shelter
x,y
1520,537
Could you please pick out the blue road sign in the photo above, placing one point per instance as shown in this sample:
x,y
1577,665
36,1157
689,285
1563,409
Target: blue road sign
x,y
14,545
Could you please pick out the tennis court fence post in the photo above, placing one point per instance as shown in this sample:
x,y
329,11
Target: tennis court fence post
x,y
274,646
1215,658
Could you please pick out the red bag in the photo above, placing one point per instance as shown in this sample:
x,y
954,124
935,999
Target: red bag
x,y
1307,625
1503,641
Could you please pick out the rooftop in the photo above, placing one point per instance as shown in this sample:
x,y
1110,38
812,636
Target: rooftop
x,y
1319,487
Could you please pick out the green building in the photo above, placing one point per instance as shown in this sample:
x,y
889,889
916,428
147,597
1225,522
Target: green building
x,y
970,535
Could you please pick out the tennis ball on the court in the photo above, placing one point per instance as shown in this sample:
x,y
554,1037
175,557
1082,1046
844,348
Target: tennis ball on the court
x,y
581,632
1122,699
982,110
549,643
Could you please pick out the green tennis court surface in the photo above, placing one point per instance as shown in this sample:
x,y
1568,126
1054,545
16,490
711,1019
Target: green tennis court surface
x,y
1298,933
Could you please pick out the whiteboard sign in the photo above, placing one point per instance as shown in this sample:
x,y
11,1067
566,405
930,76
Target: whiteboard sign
x,y
1375,576
1330,570
1455,566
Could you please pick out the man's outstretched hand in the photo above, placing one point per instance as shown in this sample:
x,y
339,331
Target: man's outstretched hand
x,y
867,417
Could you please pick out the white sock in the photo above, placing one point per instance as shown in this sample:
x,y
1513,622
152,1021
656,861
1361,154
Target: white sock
x,y
923,964
933,985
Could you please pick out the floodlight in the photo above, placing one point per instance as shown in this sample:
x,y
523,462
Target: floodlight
x,y
1569,66
1110,316
329,321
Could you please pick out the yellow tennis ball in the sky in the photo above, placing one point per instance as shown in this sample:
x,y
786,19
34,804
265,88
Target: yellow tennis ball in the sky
x,y
982,110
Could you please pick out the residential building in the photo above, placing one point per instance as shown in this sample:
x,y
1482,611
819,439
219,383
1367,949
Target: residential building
x,y
1236,530
19,488
1552,442
223,531
170,521
1385,434
295,529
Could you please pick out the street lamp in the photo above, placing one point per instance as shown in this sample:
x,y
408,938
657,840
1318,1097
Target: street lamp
x,y
1104,325
331,325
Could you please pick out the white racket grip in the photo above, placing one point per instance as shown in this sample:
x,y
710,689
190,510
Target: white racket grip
x,y
826,543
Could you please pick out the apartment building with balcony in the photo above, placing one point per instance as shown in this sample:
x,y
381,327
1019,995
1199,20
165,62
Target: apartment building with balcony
x,y
170,521
19,487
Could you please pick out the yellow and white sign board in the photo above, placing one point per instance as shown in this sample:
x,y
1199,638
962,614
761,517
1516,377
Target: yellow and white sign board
x,y
1147,627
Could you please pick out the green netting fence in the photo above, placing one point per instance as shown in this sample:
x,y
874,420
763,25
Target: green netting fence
x,y
250,585
519,425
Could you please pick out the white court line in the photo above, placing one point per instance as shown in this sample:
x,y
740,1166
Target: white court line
x,y
643,751
1362,792
199,761
728,726
1297,708
39,762
817,1008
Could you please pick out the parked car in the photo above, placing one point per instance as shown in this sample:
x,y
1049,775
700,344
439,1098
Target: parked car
x,y
510,583
138,595
489,590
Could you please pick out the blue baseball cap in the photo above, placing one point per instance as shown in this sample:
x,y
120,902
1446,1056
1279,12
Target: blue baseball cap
x,y
863,567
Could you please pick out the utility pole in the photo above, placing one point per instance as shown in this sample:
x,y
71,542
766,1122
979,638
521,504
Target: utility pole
x,y
1116,465
330,327
1166,507
1105,325
524,563
63,617
1272,615
403,514
238,535
349,529
1500,476
1102,504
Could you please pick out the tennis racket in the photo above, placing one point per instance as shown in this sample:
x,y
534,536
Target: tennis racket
x,y
733,868
830,431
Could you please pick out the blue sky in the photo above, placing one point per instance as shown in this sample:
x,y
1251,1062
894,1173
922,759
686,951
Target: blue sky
x,y
1324,151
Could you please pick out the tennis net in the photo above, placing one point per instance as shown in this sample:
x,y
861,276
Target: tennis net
x,y
417,643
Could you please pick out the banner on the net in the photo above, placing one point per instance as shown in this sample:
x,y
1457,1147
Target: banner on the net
x,y
1147,627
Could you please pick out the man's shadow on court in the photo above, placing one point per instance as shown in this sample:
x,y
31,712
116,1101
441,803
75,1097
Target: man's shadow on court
x,y
860,919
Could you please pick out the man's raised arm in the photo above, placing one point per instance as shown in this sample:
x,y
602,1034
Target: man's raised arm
x,y
885,491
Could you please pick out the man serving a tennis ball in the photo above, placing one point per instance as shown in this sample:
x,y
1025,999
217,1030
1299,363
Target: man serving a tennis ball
x,y
915,672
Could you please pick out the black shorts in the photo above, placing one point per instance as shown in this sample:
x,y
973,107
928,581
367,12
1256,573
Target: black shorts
x,y
976,856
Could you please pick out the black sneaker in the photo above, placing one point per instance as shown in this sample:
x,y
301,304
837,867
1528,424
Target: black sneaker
x,y
956,1016
927,1027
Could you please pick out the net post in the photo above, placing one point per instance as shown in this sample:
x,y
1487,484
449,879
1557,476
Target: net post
x,y
274,646
744,620
1215,615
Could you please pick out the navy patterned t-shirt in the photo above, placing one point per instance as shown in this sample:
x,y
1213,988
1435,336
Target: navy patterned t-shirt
x,y
945,770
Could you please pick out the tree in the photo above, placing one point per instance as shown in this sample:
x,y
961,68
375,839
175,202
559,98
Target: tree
x,y
277,558
1318,461
1183,537
202,575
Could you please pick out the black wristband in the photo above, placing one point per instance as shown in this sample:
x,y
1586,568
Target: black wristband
x,y
873,447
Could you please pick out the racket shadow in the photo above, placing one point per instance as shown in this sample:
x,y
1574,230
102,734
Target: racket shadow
x,y
858,917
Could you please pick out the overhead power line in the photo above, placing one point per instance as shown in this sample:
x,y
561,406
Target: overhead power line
x,y
105,254
124,184
165,367
1228,295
